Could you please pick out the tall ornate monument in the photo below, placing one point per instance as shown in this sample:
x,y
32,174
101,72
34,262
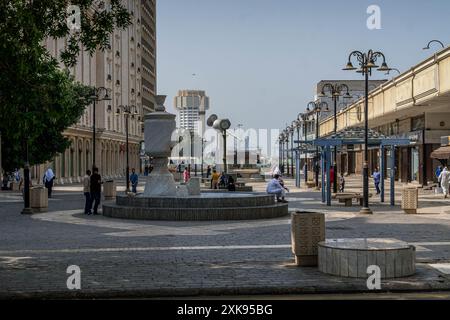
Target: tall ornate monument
x,y
159,126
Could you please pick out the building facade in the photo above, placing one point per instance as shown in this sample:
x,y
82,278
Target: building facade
x,y
414,105
191,106
128,70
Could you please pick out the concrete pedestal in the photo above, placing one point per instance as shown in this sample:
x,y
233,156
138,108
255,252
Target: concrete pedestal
x,y
410,200
352,257
307,230
193,186
39,199
109,190
14,185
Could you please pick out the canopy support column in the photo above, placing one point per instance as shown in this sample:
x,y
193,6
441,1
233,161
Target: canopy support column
x,y
322,169
382,168
392,175
297,168
328,162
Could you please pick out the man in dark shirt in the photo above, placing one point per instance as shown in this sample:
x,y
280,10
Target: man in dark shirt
x,y
96,189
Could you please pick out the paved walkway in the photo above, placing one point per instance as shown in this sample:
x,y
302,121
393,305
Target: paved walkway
x,y
163,258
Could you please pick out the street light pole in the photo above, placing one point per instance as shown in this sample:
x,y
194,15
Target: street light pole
x,y
336,91
127,110
306,148
99,94
317,108
366,63
203,140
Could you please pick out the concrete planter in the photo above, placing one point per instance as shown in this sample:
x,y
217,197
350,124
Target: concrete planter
x,y
410,200
307,230
39,199
14,185
109,190
352,257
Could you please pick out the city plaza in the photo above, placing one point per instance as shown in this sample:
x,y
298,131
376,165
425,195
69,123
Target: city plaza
x,y
213,257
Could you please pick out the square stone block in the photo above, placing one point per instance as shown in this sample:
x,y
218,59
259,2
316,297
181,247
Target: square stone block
x,y
307,230
39,199
109,190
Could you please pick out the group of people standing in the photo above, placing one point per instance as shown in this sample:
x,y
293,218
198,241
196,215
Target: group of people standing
x,y
92,188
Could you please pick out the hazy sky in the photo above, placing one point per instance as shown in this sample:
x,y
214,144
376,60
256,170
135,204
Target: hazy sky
x,y
259,60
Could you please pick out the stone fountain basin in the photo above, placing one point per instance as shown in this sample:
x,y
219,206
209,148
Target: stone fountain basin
x,y
207,206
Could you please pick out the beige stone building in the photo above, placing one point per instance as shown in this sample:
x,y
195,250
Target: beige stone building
x,y
414,105
128,69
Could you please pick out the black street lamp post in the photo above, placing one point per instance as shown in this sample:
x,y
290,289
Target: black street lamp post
x,y
366,63
202,164
436,41
127,110
291,131
305,132
317,108
99,94
286,140
336,91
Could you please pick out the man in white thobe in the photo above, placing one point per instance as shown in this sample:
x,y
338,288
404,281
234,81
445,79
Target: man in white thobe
x,y
444,178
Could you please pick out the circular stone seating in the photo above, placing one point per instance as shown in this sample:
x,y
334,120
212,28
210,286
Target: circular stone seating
x,y
351,257
207,206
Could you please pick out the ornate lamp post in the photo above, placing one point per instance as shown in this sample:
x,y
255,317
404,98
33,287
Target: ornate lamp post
x,y
436,41
286,140
317,108
127,110
98,94
281,143
366,63
303,117
336,90
292,128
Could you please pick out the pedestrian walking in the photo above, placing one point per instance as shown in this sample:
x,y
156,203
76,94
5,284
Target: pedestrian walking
x,y
231,186
444,179
96,189
376,180
186,175
438,171
341,183
215,180
87,192
208,172
223,180
49,177
146,169
134,180
331,176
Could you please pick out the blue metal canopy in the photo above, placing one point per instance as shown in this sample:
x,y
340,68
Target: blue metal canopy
x,y
355,136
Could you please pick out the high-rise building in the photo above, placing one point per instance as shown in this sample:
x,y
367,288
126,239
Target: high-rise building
x,y
191,106
128,70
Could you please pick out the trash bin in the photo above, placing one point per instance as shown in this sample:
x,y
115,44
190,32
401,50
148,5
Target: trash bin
x,y
39,199
14,185
410,200
109,190
307,230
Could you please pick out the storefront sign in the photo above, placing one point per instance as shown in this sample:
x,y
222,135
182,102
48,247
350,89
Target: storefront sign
x,y
445,141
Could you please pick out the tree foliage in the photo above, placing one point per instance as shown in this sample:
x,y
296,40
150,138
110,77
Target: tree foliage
x,y
38,98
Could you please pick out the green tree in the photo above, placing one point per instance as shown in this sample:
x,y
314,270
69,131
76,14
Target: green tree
x,y
38,99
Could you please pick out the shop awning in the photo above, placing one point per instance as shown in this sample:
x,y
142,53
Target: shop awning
x,y
441,153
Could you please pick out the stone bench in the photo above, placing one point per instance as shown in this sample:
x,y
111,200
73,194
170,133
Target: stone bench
x,y
352,257
310,184
347,198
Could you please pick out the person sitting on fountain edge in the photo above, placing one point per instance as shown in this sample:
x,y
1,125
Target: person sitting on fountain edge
x,y
274,187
